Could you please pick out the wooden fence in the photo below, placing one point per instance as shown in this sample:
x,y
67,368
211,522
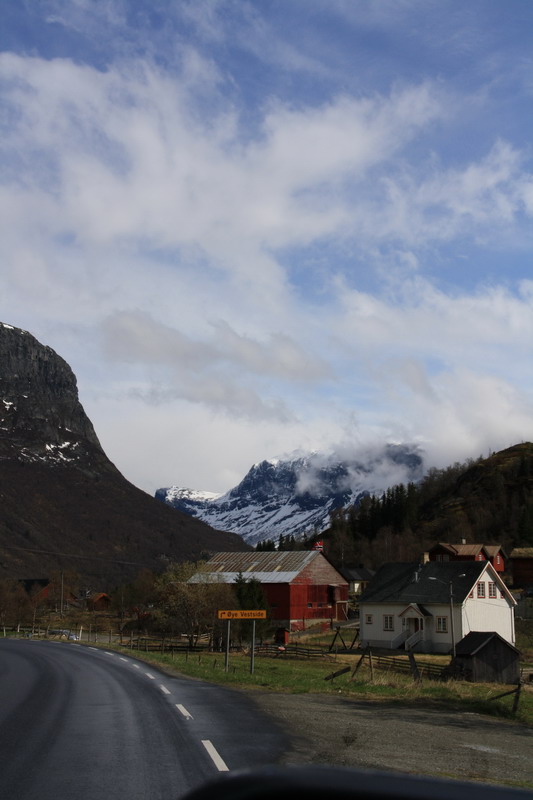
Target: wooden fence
x,y
292,651
407,666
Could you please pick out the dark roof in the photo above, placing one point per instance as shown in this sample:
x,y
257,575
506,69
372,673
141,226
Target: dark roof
x,y
423,583
475,641
356,573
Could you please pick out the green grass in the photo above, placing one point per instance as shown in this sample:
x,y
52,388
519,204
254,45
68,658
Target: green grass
x,y
308,676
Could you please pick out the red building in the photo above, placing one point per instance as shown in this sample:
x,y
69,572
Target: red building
x,y
444,551
301,587
522,567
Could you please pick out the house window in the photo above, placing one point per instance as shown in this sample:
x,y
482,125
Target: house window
x,y
498,560
309,605
481,589
388,622
369,619
442,625
492,589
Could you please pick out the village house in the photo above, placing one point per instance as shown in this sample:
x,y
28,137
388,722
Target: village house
x,y
430,607
301,587
522,567
358,579
494,553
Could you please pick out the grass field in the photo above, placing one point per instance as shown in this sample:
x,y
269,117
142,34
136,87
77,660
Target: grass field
x,y
305,676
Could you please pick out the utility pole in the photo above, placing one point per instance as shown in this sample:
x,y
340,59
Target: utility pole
x,y
452,628
62,594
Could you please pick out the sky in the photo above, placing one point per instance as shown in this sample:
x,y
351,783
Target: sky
x,y
255,227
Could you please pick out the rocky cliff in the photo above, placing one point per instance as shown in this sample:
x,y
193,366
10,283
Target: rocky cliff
x,y
63,504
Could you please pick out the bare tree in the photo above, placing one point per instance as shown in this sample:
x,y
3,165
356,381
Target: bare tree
x,y
190,604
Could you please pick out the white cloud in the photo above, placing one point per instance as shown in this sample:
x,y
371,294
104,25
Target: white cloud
x,y
176,236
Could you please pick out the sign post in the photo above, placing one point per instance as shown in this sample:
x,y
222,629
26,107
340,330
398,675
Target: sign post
x,y
226,659
242,613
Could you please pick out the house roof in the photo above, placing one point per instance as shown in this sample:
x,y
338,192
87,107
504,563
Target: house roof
x,y
93,598
356,573
522,552
423,583
463,549
459,549
493,550
475,641
266,567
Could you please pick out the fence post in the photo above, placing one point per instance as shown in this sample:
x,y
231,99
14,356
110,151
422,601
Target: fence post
x,y
516,698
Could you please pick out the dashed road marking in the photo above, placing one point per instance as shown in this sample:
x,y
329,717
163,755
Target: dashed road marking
x,y
164,689
108,653
92,648
136,666
183,711
219,763
148,675
123,659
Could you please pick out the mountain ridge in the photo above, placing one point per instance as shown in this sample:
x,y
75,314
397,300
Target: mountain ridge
x,y
63,503
295,495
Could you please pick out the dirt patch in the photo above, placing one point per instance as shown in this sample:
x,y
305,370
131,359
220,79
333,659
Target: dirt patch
x,y
418,740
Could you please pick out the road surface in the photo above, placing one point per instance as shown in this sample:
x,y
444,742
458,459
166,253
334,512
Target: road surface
x,y
80,722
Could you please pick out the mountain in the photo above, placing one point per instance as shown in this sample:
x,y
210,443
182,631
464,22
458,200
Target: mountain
x,y
63,504
487,501
295,496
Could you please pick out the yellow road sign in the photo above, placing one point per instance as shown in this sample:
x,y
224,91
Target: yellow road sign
x,y
242,614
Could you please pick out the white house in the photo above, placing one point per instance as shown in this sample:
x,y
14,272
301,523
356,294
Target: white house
x,y
430,607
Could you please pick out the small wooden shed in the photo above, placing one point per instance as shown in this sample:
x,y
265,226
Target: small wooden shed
x,y
485,657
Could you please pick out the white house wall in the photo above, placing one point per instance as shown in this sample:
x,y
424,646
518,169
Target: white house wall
x,y
373,634
489,614
481,614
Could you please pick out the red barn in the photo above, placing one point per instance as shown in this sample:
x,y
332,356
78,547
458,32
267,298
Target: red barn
x,y
301,587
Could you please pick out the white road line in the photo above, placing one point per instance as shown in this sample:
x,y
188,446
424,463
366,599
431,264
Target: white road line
x,y
92,648
164,689
217,760
108,653
183,711
149,676
123,659
136,666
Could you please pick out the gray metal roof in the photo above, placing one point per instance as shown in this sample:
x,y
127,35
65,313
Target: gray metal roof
x,y
266,567
423,583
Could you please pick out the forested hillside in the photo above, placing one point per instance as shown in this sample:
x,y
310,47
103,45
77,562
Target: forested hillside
x,y
489,500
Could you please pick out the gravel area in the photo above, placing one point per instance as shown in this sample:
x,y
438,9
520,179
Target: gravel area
x,y
417,740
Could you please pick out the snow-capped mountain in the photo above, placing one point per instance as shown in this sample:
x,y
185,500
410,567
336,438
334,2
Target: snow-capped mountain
x,y
295,496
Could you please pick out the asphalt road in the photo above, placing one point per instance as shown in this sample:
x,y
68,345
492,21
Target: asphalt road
x,y
79,723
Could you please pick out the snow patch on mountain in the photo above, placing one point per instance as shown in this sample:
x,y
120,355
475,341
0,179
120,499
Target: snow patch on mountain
x,y
295,496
